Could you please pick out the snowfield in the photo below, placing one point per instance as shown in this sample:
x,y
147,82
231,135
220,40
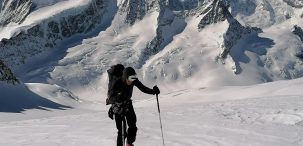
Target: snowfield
x,y
268,114
204,100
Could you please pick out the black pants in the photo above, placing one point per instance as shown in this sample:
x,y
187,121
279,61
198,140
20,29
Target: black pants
x,y
131,119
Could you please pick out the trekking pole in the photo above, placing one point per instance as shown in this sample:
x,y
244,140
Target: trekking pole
x,y
123,129
160,119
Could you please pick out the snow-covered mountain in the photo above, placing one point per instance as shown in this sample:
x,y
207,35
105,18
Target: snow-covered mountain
x,y
45,28
169,42
208,58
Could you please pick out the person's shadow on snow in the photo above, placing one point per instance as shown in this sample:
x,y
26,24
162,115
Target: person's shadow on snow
x,y
13,102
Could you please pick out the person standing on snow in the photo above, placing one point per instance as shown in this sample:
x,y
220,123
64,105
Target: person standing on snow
x,y
122,109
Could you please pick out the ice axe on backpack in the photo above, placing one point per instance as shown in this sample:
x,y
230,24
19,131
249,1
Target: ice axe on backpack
x,y
160,119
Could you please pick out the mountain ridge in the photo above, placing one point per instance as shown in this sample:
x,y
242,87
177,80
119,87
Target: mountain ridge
x,y
166,41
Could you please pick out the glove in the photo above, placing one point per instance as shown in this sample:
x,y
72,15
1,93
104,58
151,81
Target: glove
x,y
111,113
156,90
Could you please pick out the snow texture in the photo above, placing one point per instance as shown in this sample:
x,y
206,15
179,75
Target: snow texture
x,y
212,60
266,115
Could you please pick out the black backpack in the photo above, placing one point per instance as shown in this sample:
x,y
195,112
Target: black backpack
x,y
114,73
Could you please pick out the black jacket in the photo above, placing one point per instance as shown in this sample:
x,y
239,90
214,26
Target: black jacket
x,y
121,92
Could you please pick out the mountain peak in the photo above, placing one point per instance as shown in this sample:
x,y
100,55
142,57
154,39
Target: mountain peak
x,y
165,40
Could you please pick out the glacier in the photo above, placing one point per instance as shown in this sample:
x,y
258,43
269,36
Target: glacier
x,y
230,72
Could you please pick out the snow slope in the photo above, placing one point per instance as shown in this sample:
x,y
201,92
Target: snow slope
x,y
18,98
46,10
205,100
190,59
261,115
165,45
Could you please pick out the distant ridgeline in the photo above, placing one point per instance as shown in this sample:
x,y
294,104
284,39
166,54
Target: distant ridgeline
x,y
6,74
240,23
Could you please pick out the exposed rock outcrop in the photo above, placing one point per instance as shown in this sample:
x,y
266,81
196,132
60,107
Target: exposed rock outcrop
x,y
169,24
14,11
214,13
6,74
50,32
295,3
299,32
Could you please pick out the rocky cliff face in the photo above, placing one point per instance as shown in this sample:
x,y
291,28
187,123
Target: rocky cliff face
x,y
50,32
299,32
135,10
183,4
234,32
6,74
214,13
14,11
217,12
170,23
295,3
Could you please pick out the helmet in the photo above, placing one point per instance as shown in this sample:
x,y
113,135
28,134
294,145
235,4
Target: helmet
x,y
129,71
